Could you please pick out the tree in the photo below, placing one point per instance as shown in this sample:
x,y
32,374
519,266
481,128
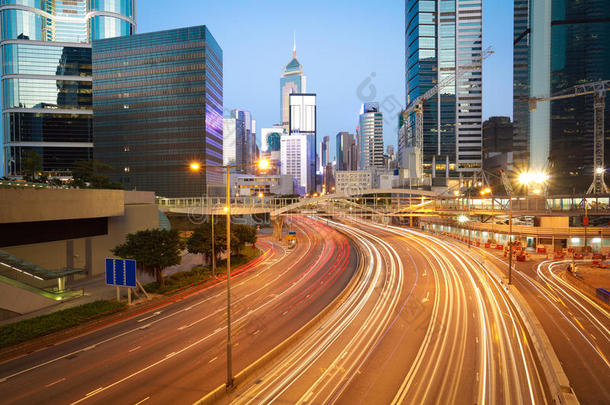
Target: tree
x,y
244,233
32,164
91,174
153,250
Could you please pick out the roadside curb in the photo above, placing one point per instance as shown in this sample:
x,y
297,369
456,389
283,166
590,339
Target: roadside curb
x,y
222,394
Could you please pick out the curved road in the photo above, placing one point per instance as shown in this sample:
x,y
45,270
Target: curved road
x,y
177,353
425,323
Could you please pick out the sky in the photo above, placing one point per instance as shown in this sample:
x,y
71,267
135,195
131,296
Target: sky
x,y
352,51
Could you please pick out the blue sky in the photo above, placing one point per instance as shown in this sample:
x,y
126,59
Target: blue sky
x,y
343,45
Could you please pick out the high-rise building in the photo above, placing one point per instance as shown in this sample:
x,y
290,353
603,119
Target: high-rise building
x,y
370,137
303,122
158,107
271,146
498,144
443,41
291,81
239,141
46,77
346,152
296,158
324,153
558,45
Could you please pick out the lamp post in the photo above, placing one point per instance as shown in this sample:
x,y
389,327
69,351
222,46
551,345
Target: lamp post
x,y
263,165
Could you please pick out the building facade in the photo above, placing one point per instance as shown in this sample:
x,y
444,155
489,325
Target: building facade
x,y
324,153
239,141
370,137
46,77
443,42
303,121
353,182
158,107
271,140
297,153
346,151
291,81
268,185
559,45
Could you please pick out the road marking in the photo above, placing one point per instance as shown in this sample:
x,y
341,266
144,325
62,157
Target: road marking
x,y
427,298
89,348
172,354
307,396
213,359
55,382
476,339
257,332
145,399
94,392
145,326
284,313
148,317
134,349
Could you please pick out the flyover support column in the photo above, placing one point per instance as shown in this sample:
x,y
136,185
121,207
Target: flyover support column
x,y
278,223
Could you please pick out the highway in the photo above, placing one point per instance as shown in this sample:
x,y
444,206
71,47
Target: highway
x,y
577,327
176,353
424,323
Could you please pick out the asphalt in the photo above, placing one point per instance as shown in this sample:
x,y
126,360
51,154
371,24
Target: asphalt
x,y
177,353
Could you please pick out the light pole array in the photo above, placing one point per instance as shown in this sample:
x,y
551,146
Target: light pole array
x,y
263,165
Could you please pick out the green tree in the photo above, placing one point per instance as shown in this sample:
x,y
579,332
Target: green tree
x,y
32,164
93,174
153,250
245,234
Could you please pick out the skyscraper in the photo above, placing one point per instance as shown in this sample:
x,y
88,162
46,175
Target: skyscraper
x,y
370,139
324,153
296,161
271,146
303,122
558,45
346,152
443,41
46,77
291,81
158,107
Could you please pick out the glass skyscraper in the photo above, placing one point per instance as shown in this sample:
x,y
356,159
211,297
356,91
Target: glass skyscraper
x,y
291,81
158,107
558,45
46,77
443,40
370,137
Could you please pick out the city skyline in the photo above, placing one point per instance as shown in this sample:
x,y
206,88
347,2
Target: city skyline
x,y
328,51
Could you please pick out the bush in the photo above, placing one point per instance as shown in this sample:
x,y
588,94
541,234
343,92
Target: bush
x,y
45,324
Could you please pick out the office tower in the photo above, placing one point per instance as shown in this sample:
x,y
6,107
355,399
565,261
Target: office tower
x,y
233,131
443,41
158,107
302,121
46,77
559,45
346,152
324,153
271,146
296,158
498,144
240,149
370,140
291,81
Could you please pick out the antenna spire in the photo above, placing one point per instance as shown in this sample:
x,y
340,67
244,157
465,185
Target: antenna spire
x,y
294,48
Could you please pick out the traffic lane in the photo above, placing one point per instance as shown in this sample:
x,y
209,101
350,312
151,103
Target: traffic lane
x,y
119,347
501,345
577,344
379,378
247,349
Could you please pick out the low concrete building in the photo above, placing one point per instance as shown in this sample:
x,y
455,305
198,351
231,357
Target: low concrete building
x,y
49,235
250,185
353,181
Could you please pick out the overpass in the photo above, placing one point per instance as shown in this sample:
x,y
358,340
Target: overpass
x,y
394,203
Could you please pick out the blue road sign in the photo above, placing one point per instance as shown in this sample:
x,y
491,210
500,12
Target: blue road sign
x,y
121,272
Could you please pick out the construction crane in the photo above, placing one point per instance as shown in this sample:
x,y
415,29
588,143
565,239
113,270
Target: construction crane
x,y
598,89
417,105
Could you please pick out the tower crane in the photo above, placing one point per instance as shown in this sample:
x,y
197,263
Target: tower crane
x,y
417,105
598,89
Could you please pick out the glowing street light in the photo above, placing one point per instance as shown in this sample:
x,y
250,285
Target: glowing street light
x,y
462,219
195,166
600,170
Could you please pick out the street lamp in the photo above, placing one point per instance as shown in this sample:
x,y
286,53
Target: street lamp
x,y
463,219
262,164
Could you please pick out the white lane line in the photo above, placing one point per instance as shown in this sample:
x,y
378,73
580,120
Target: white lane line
x,y
307,396
55,382
151,316
94,392
211,360
172,354
427,298
134,349
89,348
145,399
256,333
